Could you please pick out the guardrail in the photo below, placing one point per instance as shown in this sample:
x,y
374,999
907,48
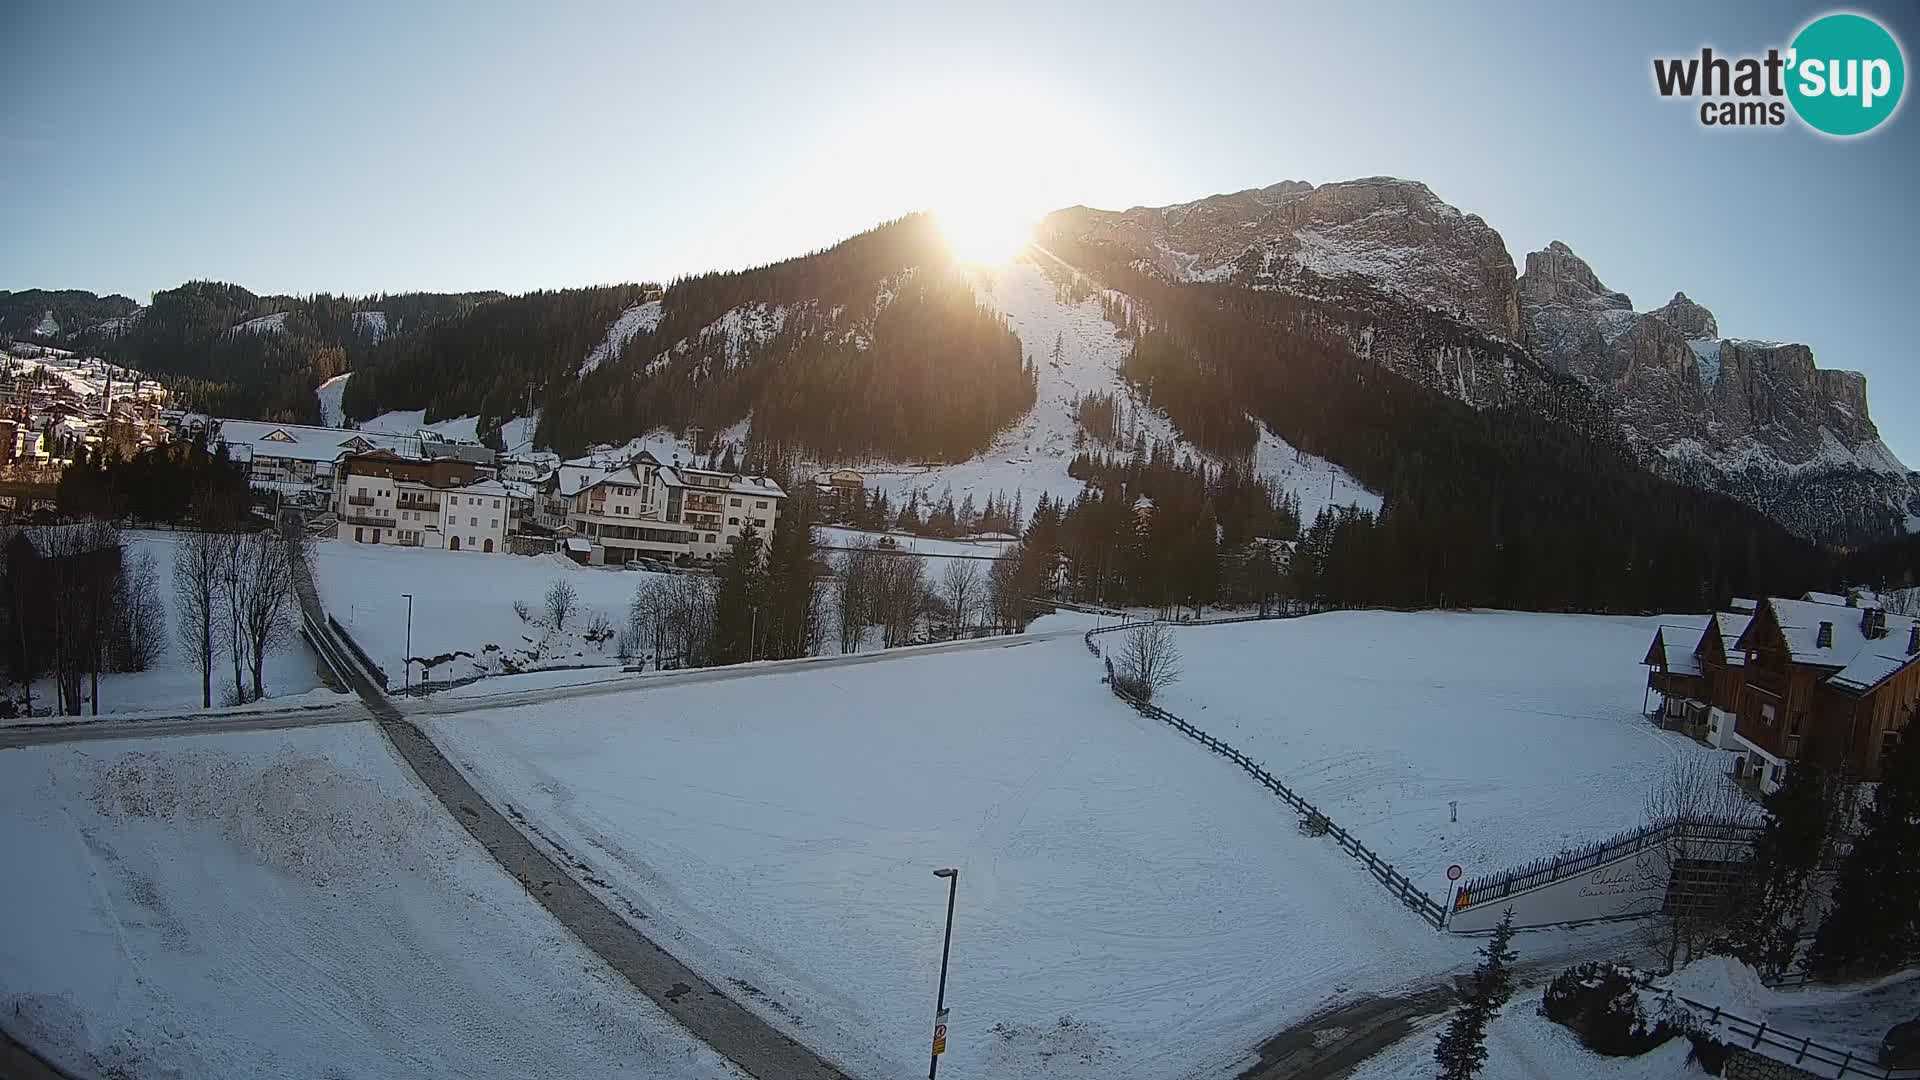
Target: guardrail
x,y
1313,820
366,662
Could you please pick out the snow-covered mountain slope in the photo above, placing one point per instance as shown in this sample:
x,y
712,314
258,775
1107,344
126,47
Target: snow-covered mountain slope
x,y
329,394
275,323
371,325
638,319
516,431
1077,353
87,376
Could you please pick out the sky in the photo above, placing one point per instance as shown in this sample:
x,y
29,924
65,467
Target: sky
x,y
359,148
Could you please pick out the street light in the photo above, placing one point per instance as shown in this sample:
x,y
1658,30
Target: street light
x,y
940,1003
406,661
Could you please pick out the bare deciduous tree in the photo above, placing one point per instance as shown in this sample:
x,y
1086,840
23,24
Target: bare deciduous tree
x,y
1149,660
1691,869
901,597
856,573
198,603
266,594
562,602
142,615
674,616
960,587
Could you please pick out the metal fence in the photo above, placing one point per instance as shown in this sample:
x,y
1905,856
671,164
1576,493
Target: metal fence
x,y
1489,888
360,654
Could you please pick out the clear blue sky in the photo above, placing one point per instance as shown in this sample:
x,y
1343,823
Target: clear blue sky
x,y
360,148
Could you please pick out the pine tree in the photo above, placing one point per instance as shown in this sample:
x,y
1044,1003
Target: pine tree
x,y
1462,1050
791,594
1874,925
1800,822
737,614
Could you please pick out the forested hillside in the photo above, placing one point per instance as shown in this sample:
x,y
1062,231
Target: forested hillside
x,y
1506,506
227,351
39,314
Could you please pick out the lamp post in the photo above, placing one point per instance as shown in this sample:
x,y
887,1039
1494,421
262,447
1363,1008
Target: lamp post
x,y
940,1002
406,678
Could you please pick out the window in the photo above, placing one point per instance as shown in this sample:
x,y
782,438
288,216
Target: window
x,y
1766,715
733,521
760,522
733,502
362,492
495,524
472,523
496,504
469,541
710,538
760,504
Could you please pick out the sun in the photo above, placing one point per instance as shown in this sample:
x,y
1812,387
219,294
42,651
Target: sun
x,y
985,233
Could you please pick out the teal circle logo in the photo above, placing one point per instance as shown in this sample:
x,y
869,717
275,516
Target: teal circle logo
x,y
1845,74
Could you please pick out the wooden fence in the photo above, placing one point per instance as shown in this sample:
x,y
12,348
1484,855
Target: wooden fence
x,y
1807,1054
1313,820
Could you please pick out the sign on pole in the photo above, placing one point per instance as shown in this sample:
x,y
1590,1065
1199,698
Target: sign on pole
x,y
940,1033
1454,872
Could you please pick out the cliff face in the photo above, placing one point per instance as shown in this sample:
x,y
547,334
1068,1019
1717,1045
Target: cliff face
x,y
1755,419
1394,233
1430,292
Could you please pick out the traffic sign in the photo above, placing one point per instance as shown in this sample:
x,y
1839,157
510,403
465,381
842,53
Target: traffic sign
x,y
1454,872
940,1033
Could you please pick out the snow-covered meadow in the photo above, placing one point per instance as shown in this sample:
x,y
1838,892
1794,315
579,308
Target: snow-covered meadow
x,y
276,904
463,604
1530,722
1128,905
292,674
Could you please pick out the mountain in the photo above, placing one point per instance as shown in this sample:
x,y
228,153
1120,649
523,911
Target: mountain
x,y
46,316
1430,292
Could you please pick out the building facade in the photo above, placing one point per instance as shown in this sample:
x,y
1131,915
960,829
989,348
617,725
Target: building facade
x,y
381,497
646,510
1826,674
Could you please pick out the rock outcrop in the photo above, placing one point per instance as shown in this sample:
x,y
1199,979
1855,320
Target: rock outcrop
x,y
1394,233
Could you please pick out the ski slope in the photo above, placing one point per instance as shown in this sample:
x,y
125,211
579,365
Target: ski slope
x,y
329,393
516,432
1530,722
1032,456
1129,906
279,904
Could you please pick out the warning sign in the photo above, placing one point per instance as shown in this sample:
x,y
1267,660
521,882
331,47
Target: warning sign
x,y
940,1033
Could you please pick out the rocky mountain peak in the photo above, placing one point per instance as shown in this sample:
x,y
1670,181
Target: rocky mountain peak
x,y
1555,275
1694,322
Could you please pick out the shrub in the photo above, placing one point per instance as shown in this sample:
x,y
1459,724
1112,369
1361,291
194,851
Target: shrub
x,y
1601,1002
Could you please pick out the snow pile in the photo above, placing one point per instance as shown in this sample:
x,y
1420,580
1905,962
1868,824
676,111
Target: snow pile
x,y
275,323
636,320
1523,1045
329,393
1384,719
288,904
1129,907
1721,981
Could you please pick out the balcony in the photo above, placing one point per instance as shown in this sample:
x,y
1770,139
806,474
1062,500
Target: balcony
x,y
360,500
429,507
368,519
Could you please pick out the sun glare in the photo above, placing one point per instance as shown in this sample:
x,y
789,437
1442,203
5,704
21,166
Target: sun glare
x,y
984,233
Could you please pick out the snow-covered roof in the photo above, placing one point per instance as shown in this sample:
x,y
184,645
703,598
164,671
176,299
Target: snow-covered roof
x,y
305,442
1863,662
579,543
759,486
1741,603
1676,643
1824,598
484,487
1732,624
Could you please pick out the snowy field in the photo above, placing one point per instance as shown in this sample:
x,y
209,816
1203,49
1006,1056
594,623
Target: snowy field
x,y
288,904
1530,722
173,684
1129,906
463,604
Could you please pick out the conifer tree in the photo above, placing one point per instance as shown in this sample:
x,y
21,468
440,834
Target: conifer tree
x,y
1462,1049
737,615
1800,823
1874,925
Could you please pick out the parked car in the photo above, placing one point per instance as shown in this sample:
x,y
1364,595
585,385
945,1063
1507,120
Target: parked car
x,y
653,566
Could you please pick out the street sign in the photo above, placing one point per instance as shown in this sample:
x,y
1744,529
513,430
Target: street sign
x,y
940,1033
1454,872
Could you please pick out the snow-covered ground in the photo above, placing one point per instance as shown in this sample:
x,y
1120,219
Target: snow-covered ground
x,y
515,432
1530,722
173,684
329,394
1129,906
1523,1045
638,319
275,323
1847,1018
463,604
1032,456
87,376
276,904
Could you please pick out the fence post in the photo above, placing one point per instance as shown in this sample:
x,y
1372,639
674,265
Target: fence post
x,y
1758,1032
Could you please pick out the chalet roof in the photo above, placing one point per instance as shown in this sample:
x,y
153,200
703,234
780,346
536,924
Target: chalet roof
x,y
1731,624
1673,641
1743,604
758,486
1861,662
1824,598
